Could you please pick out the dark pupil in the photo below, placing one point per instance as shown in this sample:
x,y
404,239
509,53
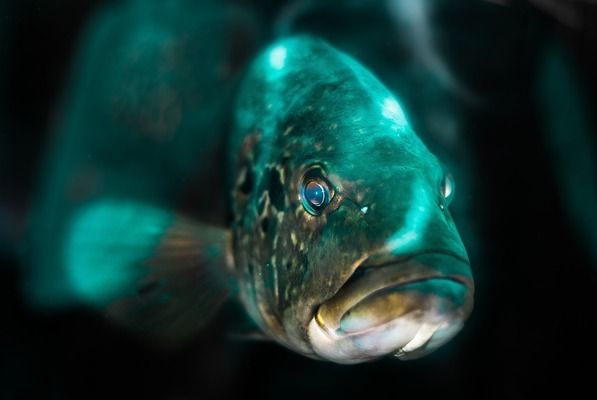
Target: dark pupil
x,y
315,193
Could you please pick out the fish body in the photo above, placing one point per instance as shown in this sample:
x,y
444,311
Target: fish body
x,y
322,118
338,240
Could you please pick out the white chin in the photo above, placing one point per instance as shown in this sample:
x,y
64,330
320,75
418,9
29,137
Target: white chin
x,y
402,337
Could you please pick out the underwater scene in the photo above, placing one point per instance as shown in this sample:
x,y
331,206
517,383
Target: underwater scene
x,y
296,199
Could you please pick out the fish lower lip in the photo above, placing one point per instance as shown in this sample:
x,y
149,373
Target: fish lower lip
x,y
388,284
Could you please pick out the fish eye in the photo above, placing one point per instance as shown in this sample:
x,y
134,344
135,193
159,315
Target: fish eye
x,y
315,193
447,187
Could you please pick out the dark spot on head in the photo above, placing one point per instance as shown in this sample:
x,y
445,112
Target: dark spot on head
x,y
264,225
303,266
276,189
269,225
385,149
246,186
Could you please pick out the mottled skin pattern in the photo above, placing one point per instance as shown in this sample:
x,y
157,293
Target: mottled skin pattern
x,y
304,104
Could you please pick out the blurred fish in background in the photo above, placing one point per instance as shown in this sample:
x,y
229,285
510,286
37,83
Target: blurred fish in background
x,y
158,83
503,92
566,109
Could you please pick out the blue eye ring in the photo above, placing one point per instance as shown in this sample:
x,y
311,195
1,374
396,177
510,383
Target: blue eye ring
x,y
315,192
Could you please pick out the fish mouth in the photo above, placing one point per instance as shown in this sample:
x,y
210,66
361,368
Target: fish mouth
x,y
407,306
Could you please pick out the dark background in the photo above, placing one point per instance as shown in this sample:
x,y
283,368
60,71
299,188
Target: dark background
x,y
532,329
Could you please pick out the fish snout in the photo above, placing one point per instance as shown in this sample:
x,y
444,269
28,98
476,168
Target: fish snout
x,y
406,306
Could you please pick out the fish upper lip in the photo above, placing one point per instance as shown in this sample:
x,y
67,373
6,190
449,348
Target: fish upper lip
x,y
400,259
421,275
386,272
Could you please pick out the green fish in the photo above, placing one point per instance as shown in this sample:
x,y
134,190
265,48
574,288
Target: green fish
x,y
343,244
339,241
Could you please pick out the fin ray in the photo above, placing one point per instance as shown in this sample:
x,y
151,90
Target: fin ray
x,y
157,273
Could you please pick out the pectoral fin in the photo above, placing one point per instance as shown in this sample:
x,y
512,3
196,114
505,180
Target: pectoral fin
x,y
153,271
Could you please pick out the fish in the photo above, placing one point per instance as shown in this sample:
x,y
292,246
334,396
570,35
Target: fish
x,y
342,237
338,241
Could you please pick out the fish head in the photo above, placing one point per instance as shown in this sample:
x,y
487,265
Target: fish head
x,y
343,240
